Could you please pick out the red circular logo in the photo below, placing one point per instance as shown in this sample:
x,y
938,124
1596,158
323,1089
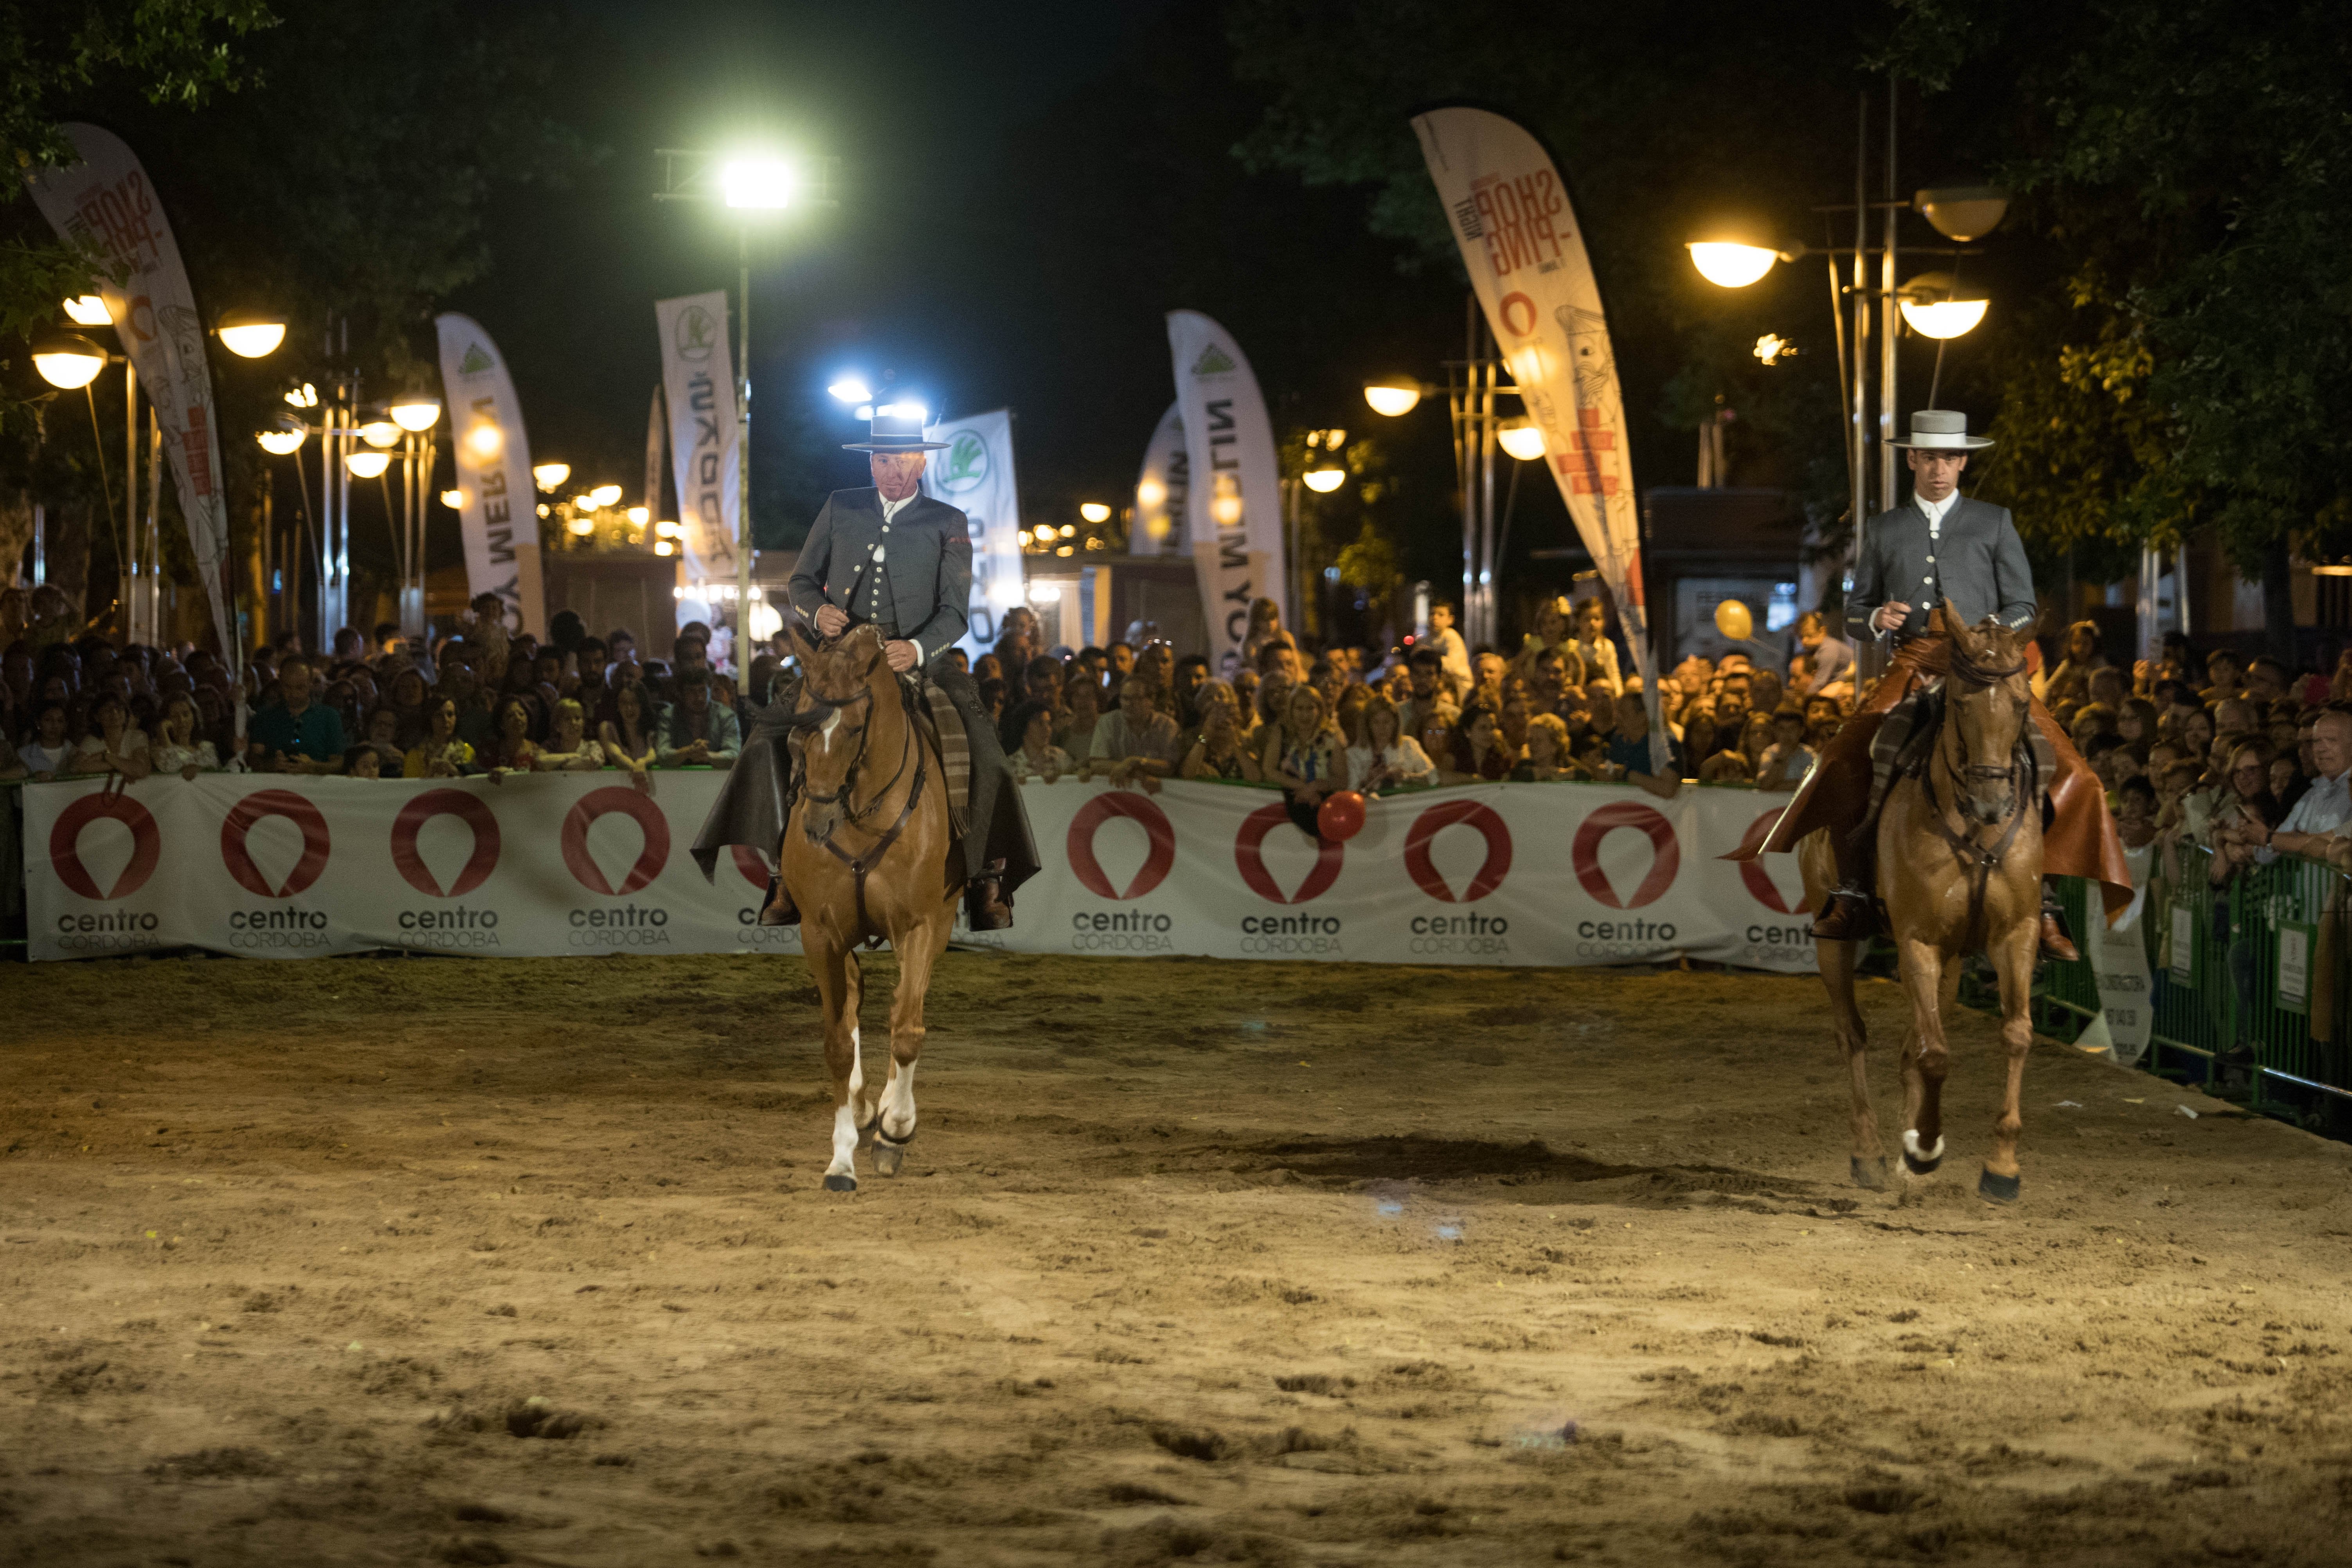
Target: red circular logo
x,y
597,803
748,861
1468,814
1665,853
1515,308
64,839
295,809
467,808
1760,882
1250,857
1080,846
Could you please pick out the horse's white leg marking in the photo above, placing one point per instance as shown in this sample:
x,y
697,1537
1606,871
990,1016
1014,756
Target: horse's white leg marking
x,y
1911,1146
845,1116
897,1118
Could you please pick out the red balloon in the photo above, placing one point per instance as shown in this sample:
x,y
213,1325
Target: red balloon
x,y
1341,816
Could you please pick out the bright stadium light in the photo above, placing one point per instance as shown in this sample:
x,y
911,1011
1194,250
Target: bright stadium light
x,y
764,183
849,389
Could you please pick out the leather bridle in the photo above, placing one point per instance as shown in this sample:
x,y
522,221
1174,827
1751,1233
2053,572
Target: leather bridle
x,y
1978,861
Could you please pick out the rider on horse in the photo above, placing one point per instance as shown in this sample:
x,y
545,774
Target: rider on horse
x,y
893,557
1942,546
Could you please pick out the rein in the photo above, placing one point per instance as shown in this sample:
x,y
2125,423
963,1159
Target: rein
x,y
910,749
1978,861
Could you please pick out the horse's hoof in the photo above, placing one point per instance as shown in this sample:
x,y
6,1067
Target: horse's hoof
x,y
840,1183
1918,1162
1998,1189
1870,1173
888,1158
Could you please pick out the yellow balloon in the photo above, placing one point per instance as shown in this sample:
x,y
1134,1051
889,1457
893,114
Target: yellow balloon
x,y
1732,619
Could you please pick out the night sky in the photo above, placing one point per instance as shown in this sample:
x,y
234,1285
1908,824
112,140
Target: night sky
x,y
1025,190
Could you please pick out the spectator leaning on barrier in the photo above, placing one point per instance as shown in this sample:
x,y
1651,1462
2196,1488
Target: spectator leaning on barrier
x,y
569,748
1629,751
443,754
696,731
1384,756
1137,741
1220,751
45,755
179,747
2325,807
1080,715
1029,749
294,734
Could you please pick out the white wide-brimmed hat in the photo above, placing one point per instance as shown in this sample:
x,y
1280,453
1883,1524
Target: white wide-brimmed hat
x,y
1941,430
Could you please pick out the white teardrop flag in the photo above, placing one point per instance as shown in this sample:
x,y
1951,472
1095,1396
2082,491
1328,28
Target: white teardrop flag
x,y
500,519
1510,214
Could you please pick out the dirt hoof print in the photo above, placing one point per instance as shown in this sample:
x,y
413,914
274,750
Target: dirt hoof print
x,y
536,1418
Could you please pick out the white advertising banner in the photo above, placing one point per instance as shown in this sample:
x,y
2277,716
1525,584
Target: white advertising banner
x,y
549,863
704,432
2117,954
1233,510
107,200
500,516
1163,491
975,474
1511,216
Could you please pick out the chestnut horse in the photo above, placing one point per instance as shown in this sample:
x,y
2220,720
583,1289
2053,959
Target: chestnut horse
x,y
865,856
1959,868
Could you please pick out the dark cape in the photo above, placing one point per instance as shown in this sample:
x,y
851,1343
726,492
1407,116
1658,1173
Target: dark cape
x,y
750,806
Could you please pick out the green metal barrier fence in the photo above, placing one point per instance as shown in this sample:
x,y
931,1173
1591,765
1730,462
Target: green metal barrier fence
x,y
2250,986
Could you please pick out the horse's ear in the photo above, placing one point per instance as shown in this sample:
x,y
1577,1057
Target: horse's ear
x,y
797,633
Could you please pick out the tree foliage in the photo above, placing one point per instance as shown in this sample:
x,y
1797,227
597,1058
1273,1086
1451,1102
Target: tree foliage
x,y
2188,159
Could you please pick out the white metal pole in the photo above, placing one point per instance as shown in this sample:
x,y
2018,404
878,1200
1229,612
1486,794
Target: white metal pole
x,y
1890,322
126,566
743,472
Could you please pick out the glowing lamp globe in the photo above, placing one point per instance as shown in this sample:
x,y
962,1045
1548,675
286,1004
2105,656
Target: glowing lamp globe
x,y
249,334
1935,305
381,432
604,495
1393,397
1095,511
486,441
548,476
1340,817
88,311
278,443
758,183
416,412
1521,440
68,360
1323,481
368,464
1729,265
638,514
453,499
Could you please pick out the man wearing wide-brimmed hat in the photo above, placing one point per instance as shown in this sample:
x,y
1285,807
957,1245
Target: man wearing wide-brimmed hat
x,y
1941,546
894,557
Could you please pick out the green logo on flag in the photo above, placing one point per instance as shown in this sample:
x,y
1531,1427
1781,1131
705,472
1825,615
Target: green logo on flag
x,y
695,334
478,360
1214,360
967,464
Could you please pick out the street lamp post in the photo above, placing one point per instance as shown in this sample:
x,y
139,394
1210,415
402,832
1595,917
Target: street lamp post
x,y
749,186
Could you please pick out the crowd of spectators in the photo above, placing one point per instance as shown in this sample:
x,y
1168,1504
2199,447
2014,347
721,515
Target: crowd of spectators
x,y
2237,760
484,702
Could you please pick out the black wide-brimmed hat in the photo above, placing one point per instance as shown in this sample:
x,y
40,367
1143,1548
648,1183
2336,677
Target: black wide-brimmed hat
x,y
1941,430
896,427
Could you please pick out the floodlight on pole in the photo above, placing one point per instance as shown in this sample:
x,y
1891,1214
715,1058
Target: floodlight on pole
x,y
759,184
549,476
849,389
88,311
367,465
249,334
1395,397
379,433
1963,213
279,443
1935,305
67,361
1729,265
1323,481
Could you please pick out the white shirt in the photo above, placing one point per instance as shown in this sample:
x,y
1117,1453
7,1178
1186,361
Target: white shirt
x,y
1936,511
2322,809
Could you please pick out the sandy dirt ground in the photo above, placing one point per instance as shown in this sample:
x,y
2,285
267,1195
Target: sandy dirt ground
x,y
414,1261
